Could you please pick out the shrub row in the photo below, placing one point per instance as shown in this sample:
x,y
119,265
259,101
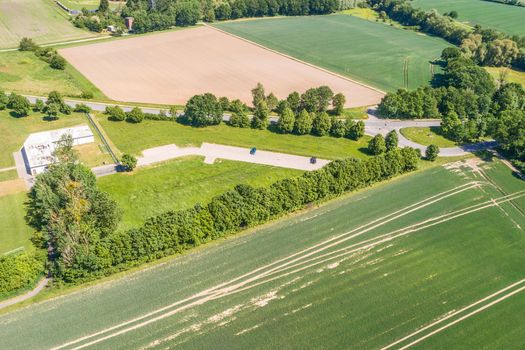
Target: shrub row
x,y
19,272
235,210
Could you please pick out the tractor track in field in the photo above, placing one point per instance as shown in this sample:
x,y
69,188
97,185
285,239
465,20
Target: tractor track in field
x,y
301,261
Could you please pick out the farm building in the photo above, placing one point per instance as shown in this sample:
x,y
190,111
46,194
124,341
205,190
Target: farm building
x,y
39,147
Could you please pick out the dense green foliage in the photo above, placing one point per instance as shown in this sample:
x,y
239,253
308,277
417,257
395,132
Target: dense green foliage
x,y
128,162
70,214
432,152
243,207
169,13
202,110
18,272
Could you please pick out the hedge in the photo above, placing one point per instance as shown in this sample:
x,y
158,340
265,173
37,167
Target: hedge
x,y
20,272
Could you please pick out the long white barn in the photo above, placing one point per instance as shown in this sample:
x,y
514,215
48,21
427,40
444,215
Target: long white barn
x,y
39,147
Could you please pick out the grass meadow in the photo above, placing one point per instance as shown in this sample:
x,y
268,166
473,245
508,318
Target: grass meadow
x,y
360,272
23,72
373,53
134,138
15,233
510,75
180,184
505,18
427,136
40,20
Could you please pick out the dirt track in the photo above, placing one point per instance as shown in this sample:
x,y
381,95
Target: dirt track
x,y
169,68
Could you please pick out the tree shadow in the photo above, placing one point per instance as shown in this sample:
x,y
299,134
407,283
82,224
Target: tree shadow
x,y
16,115
365,150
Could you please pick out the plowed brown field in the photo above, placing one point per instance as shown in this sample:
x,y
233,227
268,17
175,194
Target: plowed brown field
x,y
169,68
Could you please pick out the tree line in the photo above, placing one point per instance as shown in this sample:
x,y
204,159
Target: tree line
x,y
77,222
314,112
165,14
484,46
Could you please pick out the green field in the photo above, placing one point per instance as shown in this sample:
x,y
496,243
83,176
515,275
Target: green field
x,y
40,20
23,72
133,138
89,4
427,136
369,52
14,132
359,273
510,75
505,18
14,233
181,183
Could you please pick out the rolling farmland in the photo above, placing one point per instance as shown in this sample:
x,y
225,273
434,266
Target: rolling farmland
x,y
373,53
171,67
39,19
442,250
505,18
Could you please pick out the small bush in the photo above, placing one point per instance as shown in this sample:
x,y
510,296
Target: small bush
x,y
88,95
432,152
27,44
128,162
135,115
57,62
115,113
82,108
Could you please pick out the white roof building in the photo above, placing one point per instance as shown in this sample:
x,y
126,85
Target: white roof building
x,y
39,147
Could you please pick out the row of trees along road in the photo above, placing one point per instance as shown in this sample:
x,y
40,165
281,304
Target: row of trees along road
x,y
317,111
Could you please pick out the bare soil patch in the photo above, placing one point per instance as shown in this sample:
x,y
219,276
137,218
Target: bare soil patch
x,y
169,68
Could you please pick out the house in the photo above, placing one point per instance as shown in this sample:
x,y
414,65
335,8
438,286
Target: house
x,y
39,147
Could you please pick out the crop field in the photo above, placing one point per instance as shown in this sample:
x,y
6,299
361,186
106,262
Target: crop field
x,y
181,183
445,244
23,72
40,20
14,132
505,18
132,138
171,67
382,56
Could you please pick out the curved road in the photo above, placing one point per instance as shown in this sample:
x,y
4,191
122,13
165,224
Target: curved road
x,y
373,126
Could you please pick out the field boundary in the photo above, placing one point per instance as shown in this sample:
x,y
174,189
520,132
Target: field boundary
x,y
296,59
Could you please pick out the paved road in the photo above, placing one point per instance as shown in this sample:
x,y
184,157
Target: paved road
x,y
373,126
212,152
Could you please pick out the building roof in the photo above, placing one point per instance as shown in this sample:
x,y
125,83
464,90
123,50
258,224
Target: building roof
x,y
39,147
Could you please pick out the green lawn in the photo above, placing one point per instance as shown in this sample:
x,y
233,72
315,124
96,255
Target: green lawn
x,y
181,183
14,132
134,138
23,72
40,20
359,293
14,233
8,175
427,136
373,53
505,18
